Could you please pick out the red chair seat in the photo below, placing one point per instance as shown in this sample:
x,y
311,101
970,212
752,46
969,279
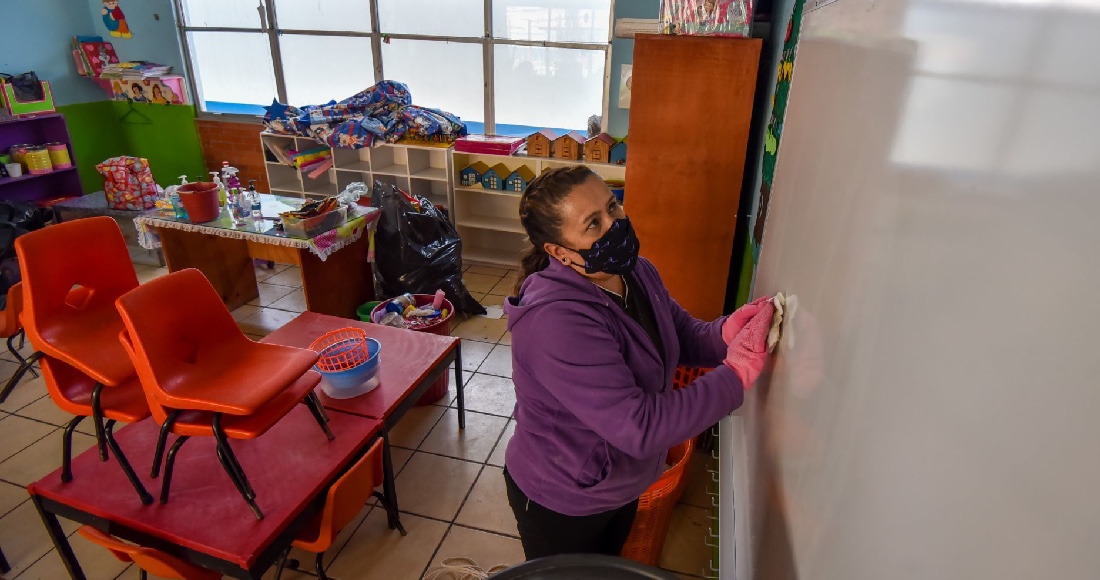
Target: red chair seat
x,y
88,340
125,402
198,423
239,379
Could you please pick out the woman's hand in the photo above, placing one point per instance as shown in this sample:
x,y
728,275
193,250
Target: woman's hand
x,y
748,350
740,317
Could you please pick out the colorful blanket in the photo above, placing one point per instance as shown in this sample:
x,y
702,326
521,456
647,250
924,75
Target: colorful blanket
x,y
383,113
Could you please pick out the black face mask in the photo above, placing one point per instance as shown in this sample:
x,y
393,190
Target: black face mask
x,y
616,252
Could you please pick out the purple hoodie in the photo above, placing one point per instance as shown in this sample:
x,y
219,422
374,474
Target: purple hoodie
x,y
595,409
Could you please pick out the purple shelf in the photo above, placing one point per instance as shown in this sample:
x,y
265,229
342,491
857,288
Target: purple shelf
x,y
38,130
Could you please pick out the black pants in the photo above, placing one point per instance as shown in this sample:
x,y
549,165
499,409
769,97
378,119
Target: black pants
x,y
545,532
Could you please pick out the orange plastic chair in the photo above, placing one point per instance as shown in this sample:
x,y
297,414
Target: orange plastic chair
x,y
202,376
149,560
12,328
344,501
72,273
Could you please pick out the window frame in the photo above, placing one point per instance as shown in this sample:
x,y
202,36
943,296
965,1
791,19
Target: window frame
x,y
269,25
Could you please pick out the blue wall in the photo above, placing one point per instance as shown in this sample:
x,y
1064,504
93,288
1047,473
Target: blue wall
x,y
622,52
153,26
37,35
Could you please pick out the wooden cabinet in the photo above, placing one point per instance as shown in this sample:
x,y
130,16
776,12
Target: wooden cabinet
x,y
690,110
38,129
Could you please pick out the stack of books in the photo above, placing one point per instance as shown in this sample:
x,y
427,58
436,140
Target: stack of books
x,y
134,70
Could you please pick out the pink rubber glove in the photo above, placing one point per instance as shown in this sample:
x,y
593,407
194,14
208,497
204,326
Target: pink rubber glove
x,y
749,349
740,317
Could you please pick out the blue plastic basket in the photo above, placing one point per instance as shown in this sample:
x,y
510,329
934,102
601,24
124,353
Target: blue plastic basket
x,y
354,377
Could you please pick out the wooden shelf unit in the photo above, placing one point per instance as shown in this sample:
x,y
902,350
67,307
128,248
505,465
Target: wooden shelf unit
x,y
38,129
418,169
488,219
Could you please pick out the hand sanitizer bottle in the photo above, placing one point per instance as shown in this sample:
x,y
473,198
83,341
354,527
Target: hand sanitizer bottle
x,y
221,188
257,213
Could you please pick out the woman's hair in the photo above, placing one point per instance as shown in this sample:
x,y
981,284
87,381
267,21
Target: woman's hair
x,y
540,214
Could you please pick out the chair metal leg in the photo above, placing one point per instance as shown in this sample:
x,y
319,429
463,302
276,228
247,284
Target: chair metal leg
x,y
15,350
120,457
162,440
142,574
281,563
319,565
234,474
169,464
232,465
317,399
26,365
67,449
318,414
97,416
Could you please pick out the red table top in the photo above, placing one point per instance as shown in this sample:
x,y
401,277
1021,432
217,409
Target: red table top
x,y
288,466
407,358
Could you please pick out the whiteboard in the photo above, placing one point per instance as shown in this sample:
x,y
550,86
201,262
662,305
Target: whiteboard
x,y
936,211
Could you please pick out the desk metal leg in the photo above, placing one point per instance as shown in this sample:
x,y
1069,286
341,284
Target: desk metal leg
x,y
53,527
459,388
4,566
389,486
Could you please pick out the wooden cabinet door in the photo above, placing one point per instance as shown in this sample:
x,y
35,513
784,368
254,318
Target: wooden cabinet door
x,y
691,105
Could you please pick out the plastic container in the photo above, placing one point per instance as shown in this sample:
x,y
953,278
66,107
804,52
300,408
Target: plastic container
x,y
59,155
647,534
349,362
37,160
200,199
317,225
364,311
442,327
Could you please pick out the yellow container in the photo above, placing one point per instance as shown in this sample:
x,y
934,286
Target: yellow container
x,y
37,160
59,155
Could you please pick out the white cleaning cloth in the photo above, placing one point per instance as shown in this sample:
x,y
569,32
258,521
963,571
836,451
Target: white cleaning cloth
x,y
776,331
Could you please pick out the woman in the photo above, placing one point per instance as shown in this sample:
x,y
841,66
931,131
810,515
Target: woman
x,y
595,341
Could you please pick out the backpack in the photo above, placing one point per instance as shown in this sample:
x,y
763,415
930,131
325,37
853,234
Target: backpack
x,y
9,263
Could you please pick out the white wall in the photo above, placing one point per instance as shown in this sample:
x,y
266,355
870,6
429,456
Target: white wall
x,y
936,213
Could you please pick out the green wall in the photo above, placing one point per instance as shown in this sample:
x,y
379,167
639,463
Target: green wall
x,y
165,135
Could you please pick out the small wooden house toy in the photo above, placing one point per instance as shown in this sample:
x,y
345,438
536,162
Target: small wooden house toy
x,y
541,144
518,179
569,146
617,155
598,148
494,177
471,176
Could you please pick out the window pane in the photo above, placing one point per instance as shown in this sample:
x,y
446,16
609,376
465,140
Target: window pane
x,y
453,81
552,20
432,17
241,84
234,13
346,69
558,88
350,15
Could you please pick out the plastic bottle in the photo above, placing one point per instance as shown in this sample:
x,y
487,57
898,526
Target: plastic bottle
x,y
254,197
229,176
221,188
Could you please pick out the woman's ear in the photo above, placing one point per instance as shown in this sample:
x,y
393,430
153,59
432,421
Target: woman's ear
x,y
556,252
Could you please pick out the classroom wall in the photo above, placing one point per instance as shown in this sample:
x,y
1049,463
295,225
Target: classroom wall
x,y
37,36
622,52
237,143
153,27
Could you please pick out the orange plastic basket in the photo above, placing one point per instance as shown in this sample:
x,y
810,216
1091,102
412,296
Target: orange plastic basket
x,y
341,350
647,535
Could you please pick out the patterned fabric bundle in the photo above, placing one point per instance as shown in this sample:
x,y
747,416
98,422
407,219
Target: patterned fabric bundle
x,y
383,113
128,183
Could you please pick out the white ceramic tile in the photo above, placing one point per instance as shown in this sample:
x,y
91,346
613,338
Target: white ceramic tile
x,y
97,563
291,276
44,456
411,430
376,552
481,329
270,294
473,443
11,495
266,321
488,270
487,507
150,274
435,486
486,549
685,547
499,362
497,457
263,273
16,433
24,538
491,394
244,311
29,390
293,302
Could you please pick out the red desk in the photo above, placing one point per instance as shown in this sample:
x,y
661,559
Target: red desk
x,y
205,521
411,362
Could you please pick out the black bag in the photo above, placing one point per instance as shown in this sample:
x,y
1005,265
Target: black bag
x,y
27,215
9,264
417,252
26,86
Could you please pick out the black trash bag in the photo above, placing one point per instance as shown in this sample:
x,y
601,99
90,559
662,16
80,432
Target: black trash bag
x,y
27,215
417,252
9,263
26,86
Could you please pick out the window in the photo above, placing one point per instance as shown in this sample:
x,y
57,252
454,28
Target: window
x,y
507,67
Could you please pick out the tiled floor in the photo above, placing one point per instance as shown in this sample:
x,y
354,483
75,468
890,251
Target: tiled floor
x,y
450,482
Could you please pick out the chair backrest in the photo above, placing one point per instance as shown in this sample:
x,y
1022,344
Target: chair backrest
x,y
90,253
350,493
173,323
151,560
